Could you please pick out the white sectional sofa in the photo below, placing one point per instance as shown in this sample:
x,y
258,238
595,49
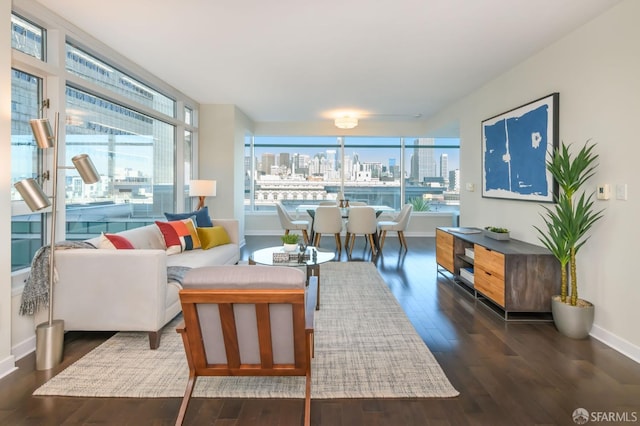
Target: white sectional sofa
x,y
127,290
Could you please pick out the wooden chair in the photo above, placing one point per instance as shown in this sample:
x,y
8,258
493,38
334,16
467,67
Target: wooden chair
x,y
247,321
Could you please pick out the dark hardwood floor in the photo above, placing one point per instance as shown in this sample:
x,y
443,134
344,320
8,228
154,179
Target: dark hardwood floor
x,y
507,373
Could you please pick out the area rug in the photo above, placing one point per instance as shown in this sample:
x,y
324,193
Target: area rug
x,y
365,347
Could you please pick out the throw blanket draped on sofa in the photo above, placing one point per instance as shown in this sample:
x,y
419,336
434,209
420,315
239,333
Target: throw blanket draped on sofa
x,y
35,295
176,273
36,290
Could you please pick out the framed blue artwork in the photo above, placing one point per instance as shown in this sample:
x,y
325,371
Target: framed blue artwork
x,y
515,148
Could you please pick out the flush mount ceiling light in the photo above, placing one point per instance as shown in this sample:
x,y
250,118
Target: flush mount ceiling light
x,y
346,122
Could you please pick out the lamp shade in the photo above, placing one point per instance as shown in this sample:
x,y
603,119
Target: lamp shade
x,y
202,188
86,169
346,122
41,129
32,194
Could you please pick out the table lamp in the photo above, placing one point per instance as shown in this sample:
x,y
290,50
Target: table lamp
x,y
202,189
50,334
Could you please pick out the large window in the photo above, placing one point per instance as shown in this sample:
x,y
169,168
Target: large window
x,y
133,153
378,171
99,72
127,122
432,172
27,37
26,162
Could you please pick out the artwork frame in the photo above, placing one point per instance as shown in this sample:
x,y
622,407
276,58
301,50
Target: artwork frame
x,y
516,145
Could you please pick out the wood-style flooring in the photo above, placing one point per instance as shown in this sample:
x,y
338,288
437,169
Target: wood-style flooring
x,y
506,373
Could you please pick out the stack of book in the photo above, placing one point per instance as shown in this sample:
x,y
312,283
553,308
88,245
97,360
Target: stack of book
x,y
467,274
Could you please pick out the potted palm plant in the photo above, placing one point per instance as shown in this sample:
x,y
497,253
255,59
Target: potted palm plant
x,y
566,229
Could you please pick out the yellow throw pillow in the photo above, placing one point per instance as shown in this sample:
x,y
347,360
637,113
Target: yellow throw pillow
x,y
212,237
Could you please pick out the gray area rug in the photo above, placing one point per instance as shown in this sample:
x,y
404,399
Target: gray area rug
x,y
365,347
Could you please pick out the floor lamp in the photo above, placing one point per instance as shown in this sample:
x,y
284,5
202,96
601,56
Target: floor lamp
x,y
50,334
202,189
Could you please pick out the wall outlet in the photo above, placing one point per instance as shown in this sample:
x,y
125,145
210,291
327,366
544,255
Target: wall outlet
x,y
470,187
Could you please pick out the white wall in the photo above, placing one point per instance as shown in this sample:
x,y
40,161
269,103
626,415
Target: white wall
x,y
221,157
596,70
7,361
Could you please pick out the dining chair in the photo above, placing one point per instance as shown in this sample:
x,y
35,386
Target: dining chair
x,y
328,220
247,321
327,203
398,224
357,203
361,220
289,224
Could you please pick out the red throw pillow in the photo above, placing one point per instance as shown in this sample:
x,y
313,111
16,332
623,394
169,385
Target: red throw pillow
x,y
113,241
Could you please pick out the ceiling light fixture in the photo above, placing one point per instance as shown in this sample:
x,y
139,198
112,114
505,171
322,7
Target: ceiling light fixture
x,y
346,122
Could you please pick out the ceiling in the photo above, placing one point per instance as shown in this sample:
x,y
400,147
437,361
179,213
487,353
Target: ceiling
x,y
302,60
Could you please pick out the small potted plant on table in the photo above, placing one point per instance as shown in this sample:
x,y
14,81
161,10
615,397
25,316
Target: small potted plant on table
x,y
290,241
496,233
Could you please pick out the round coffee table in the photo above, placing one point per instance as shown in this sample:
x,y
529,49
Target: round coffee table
x,y
265,257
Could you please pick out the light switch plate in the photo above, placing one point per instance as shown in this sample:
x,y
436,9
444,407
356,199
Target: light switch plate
x,y
621,191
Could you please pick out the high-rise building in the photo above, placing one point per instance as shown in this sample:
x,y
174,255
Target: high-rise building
x,y
332,159
454,180
444,166
283,160
422,163
268,160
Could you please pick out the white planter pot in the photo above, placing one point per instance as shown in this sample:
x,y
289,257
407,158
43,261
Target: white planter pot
x,y
500,236
572,321
290,247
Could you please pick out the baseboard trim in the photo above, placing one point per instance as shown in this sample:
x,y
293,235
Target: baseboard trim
x,y
615,342
7,366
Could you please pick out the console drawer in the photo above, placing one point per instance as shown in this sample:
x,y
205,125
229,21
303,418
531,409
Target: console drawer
x,y
489,260
489,284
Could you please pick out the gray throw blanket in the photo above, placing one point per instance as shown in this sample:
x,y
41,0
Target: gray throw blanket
x,y
35,295
176,273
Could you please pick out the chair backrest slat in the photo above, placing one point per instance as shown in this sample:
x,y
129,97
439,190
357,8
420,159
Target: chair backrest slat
x,y
264,335
230,335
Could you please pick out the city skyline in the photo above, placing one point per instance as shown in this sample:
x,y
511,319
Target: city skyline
x,y
365,148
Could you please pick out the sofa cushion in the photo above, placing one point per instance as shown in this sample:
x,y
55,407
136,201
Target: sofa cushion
x,y
179,235
227,254
147,237
113,242
213,237
202,217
